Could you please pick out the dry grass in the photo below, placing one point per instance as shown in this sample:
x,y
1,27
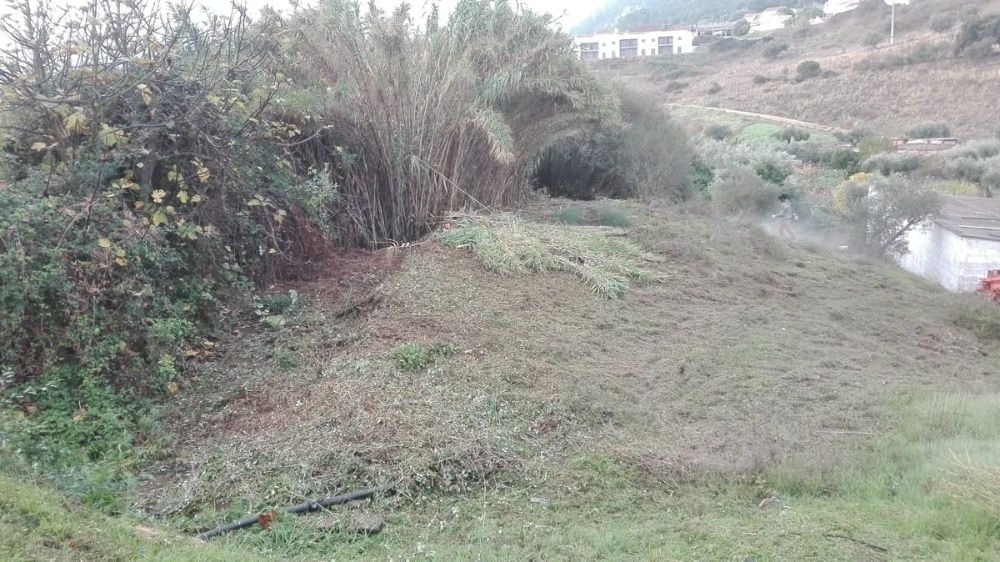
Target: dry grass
x,y
959,92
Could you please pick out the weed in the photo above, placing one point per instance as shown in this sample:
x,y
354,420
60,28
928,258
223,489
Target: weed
x,y
285,360
982,319
413,358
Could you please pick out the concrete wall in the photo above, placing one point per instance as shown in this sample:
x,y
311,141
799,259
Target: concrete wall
x,y
957,263
609,43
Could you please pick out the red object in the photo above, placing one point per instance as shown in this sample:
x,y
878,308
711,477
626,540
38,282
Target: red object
x,y
991,285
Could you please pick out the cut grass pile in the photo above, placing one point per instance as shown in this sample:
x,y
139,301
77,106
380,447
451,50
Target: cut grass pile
x,y
507,244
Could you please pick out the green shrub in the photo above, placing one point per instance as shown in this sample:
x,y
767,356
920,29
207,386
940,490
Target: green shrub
x,y
789,134
845,159
928,131
718,132
979,36
774,49
759,80
808,69
740,191
941,23
715,88
741,28
888,164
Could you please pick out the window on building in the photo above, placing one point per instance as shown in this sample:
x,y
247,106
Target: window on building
x,y
644,52
589,51
628,47
665,45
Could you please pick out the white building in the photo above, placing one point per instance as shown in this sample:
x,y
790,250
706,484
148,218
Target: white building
x,y
644,42
834,7
771,19
959,245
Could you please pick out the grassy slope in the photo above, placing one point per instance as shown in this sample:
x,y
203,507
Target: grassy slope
x,y
956,91
566,426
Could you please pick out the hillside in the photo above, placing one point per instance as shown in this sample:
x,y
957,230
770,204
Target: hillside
x,y
748,362
887,89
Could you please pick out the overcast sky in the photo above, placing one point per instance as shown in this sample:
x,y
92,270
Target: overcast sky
x,y
570,12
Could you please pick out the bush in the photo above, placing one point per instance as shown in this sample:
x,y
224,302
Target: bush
x,y
774,49
570,215
718,132
855,136
715,88
923,52
888,164
766,160
789,134
615,218
740,191
843,159
941,23
648,156
928,131
808,69
413,358
808,152
741,28
759,80
979,36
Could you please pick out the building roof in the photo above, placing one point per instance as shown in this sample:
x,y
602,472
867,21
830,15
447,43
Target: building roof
x,y
971,217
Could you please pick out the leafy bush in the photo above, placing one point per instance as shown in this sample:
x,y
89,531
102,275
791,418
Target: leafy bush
x,y
759,80
741,28
740,191
808,69
979,36
808,152
789,134
768,162
888,164
774,49
941,23
928,131
715,88
844,159
718,132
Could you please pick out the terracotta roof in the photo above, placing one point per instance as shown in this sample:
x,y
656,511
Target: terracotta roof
x,y
971,217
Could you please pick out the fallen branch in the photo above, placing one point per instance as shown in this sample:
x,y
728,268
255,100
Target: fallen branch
x,y
304,507
857,541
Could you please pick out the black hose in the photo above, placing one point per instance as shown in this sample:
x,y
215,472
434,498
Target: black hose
x,y
304,507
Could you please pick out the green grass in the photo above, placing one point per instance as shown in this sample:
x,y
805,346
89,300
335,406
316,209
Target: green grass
x,y
507,244
35,524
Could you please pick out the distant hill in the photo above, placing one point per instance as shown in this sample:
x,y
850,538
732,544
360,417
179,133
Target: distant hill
x,y
627,13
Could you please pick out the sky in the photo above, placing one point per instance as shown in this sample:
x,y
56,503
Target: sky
x,y
569,12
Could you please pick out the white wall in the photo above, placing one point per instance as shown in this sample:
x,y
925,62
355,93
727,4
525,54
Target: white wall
x,y
608,43
957,263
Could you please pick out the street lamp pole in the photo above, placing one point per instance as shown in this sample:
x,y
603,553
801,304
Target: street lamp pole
x,y
892,25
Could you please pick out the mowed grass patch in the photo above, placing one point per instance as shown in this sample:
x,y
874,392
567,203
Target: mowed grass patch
x,y
603,259
908,496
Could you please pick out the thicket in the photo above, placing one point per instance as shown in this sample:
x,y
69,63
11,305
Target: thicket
x,y
882,210
979,36
154,169
644,155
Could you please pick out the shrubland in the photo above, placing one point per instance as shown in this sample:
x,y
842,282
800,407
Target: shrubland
x,y
157,170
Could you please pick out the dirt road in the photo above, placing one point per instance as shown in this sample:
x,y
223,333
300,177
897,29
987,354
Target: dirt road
x,y
764,117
